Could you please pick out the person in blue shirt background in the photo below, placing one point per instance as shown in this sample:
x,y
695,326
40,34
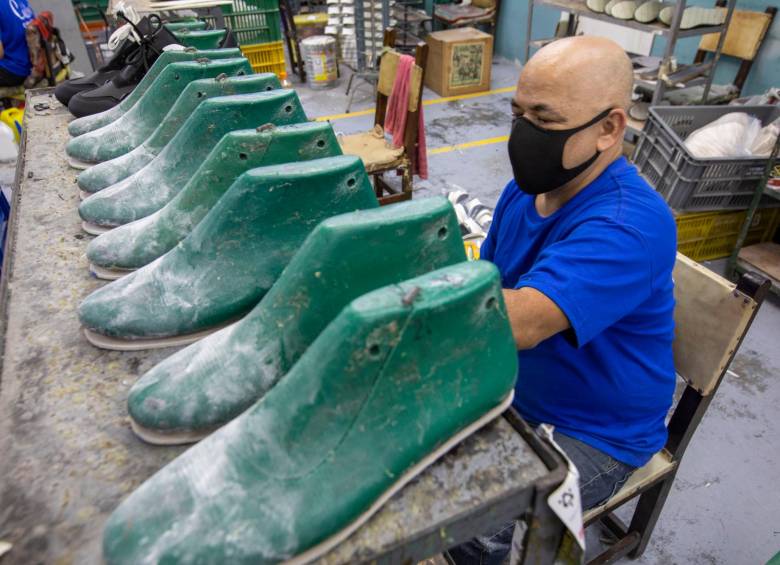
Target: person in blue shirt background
x,y
585,249
14,56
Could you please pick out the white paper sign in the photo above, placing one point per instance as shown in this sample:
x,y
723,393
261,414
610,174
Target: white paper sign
x,y
565,501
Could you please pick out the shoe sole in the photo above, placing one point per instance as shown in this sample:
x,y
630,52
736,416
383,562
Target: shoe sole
x,y
160,438
83,194
79,164
108,274
323,547
647,12
608,8
94,229
118,344
624,10
596,6
695,16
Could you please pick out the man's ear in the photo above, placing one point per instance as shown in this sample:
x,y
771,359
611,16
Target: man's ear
x,y
612,129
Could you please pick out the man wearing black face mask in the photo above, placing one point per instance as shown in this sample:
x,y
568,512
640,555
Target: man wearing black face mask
x,y
585,248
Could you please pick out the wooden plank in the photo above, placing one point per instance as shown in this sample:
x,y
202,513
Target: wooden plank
x,y
744,36
765,257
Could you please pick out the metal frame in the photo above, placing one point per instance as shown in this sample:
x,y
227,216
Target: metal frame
x,y
632,540
671,34
735,264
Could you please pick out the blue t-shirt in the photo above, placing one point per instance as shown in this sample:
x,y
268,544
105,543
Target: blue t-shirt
x,y
14,17
605,258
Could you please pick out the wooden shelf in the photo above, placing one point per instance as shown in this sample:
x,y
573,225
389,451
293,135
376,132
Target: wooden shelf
x,y
763,258
657,28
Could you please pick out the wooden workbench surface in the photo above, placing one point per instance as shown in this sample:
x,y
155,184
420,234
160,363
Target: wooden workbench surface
x,y
67,455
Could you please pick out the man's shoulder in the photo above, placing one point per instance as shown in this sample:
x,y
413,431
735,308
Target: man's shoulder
x,y
631,202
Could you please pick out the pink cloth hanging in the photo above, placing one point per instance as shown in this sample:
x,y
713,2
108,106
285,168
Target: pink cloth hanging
x,y
395,119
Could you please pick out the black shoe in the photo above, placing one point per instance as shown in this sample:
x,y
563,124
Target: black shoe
x,y
113,92
68,89
229,41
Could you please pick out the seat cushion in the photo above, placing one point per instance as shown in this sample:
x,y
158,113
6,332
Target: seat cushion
x,y
375,151
659,465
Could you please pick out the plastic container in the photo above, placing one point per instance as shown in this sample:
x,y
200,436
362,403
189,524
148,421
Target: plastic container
x,y
13,118
253,21
711,235
267,58
688,183
8,148
320,56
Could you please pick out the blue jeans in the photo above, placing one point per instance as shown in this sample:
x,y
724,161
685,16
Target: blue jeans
x,y
601,476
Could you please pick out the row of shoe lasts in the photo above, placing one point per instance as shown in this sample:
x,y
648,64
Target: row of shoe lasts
x,y
351,320
648,11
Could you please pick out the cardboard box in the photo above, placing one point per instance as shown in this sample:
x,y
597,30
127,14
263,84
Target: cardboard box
x,y
459,61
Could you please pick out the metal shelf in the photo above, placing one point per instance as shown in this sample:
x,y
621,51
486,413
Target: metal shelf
x,y
670,33
579,7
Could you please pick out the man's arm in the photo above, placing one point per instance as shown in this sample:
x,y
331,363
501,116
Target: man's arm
x,y
533,317
2,52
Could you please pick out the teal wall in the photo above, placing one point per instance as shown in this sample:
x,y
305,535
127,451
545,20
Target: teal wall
x,y
764,74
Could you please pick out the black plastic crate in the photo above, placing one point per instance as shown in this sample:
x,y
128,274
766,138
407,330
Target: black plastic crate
x,y
689,183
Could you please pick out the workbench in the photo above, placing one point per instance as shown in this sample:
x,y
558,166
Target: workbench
x,y
68,456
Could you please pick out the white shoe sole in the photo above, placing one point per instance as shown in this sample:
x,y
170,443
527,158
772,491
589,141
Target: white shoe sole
x,y
624,10
94,229
695,16
160,438
596,5
79,164
118,344
609,6
323,547
108,274
647,12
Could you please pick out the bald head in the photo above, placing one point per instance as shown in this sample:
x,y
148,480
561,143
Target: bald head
x,y
570,83
579,76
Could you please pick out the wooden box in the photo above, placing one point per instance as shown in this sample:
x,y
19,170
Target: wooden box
x,y
459,61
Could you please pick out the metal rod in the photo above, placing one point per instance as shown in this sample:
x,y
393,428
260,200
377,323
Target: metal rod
x,y
716,57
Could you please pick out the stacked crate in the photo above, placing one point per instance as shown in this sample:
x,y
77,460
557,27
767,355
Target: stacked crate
x,y
256,25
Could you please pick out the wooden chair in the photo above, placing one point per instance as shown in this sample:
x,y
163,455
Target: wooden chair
x,y
744,37
378,155
711,317
478,12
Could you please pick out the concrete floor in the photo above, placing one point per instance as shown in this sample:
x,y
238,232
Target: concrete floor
x,y
725,504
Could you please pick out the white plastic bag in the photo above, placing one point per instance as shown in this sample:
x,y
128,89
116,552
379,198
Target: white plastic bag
x,y
765,140
731,135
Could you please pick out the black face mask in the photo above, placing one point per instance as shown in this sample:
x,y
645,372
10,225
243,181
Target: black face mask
x,y
536,155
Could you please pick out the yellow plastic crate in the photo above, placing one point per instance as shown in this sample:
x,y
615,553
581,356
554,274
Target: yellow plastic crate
x,y
712,235
267,58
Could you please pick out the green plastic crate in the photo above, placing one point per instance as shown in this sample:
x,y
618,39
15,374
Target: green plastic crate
x,y
253,21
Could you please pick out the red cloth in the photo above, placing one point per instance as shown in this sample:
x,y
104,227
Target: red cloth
x,y
45,24
395,119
